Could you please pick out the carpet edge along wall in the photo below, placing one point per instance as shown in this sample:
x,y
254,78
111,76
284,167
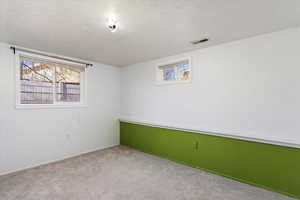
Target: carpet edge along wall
x,y
272,167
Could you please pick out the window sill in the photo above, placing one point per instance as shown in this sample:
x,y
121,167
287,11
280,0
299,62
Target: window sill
x,y
173,82
40,106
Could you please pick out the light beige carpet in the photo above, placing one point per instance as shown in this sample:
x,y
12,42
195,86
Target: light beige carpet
x,y
121,173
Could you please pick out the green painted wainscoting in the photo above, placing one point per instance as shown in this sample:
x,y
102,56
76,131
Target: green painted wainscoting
x,y
272,167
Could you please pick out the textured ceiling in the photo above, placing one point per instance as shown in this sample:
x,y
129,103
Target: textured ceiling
x,y
148,28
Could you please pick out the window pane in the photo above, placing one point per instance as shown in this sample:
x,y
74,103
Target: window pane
x,y
67,84
184,72
36,79
169,74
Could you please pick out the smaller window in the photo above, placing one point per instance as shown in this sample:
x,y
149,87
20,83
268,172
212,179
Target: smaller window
x,y
178,71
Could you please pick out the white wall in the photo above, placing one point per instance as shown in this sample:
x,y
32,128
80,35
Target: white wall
x,y
249,88
31,137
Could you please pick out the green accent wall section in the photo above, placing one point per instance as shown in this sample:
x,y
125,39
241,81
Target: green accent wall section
x,y
272,167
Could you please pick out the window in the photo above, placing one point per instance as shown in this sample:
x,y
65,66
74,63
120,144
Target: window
x,y
47,82
178,71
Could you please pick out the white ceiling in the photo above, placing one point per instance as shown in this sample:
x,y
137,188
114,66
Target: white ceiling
x,y
148,28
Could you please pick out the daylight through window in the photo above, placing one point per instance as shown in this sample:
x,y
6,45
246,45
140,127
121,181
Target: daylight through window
x,y
46,82
174,72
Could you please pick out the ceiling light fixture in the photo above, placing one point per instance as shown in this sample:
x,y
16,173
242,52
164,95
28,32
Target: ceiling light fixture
x,y
112,24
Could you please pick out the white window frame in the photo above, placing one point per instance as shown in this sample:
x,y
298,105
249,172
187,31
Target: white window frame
x,y
83,84
160,81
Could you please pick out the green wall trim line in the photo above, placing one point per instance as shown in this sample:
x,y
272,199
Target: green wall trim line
x,y
272,167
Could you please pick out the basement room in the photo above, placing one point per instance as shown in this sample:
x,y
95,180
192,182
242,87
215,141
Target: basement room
x,y
149,100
